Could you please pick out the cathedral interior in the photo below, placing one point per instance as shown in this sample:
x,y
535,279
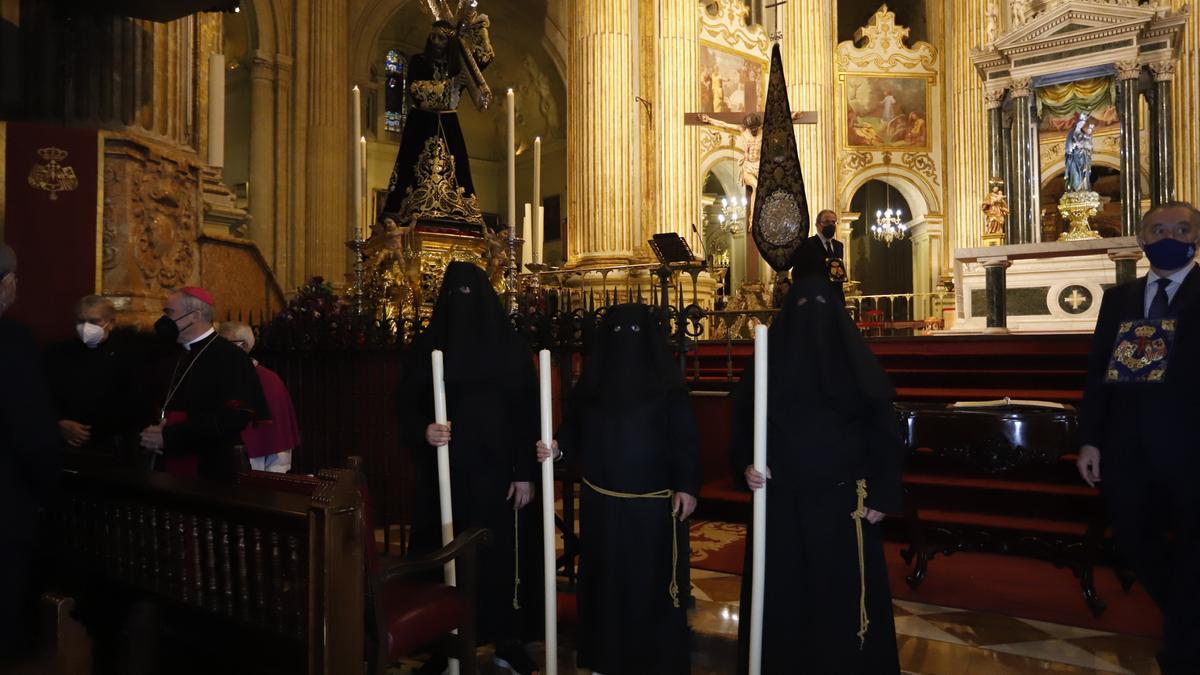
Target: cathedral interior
x,y
986,165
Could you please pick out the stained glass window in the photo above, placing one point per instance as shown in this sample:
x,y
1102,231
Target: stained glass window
x,y
395,101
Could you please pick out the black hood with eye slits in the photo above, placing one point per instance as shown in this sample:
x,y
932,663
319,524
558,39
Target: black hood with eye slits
x,y
470,326
630,361
816,353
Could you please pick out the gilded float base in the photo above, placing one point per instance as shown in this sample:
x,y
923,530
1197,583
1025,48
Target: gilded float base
x,y
405,265
1077,208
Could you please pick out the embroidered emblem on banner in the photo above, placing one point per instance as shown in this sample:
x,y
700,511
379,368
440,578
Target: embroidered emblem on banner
x,y
1142,351
837,270
53,176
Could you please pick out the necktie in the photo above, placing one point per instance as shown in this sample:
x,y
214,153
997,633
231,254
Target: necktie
x,y
1158,306
829,249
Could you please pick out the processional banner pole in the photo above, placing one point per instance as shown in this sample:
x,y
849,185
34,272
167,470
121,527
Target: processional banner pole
x,y
759,552
549,559
443,465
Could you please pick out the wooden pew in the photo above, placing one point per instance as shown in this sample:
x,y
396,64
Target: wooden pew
x,y
284,569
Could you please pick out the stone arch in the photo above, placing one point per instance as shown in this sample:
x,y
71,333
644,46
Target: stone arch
x,y
717,162
921,198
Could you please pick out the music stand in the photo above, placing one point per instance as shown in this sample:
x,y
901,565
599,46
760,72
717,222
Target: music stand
x,y
669,248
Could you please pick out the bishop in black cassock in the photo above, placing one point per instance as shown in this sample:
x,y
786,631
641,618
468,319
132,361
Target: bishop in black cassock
x,y
209,394
830,424
631,433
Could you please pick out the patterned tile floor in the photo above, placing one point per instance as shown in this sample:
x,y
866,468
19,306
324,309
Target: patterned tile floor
x,y
932,640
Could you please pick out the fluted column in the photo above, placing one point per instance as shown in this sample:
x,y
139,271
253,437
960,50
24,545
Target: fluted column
x,y
1024,227
601,139
1129,111
807,48
1162,126
677,187
966,123
326,183
287,233
262,156
1187,98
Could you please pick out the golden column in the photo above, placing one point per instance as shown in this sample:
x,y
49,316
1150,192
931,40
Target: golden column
x,y
807,47
677,185
1187,98
602,140
966,124
322,74
262,157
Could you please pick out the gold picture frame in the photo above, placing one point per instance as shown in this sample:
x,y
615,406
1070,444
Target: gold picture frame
x,y
886,112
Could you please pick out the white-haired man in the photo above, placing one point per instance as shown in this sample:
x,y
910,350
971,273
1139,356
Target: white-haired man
x,y
269,444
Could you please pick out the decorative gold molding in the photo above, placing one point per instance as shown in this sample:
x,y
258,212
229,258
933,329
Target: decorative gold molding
x,y
1128,70
882,47
723,23
1164,71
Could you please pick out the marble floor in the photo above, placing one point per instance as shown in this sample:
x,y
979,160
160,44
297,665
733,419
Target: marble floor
x,y
932,640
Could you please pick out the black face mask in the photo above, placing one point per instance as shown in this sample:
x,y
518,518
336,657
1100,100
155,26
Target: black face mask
x,y
168,328
828,231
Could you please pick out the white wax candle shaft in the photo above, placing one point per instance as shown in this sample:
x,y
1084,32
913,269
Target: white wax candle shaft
x,y
443,459
537,199
527,235
511,155
443,464
549,558
216,110
759,553
359,158
360,222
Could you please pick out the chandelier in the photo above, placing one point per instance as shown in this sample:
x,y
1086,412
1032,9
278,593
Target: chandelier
x,y
733,214
888,225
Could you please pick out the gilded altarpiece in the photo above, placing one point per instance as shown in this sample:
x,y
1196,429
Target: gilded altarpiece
x,y
890,116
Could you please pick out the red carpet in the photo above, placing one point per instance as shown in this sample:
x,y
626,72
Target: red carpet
x,y
1011,585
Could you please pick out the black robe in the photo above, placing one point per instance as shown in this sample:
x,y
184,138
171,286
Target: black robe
x,y
830,423
219,395
105,387
492,404
30,462
631,430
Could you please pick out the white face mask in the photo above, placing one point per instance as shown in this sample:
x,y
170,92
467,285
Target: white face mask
x,y
90,333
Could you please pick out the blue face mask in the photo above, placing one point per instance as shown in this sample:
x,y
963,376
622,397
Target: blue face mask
x,y
1170,254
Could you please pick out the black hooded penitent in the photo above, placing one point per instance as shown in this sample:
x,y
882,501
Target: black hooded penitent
x,y
829,423
630,430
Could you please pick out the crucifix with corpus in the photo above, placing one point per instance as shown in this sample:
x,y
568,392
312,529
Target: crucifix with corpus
x,y
747,127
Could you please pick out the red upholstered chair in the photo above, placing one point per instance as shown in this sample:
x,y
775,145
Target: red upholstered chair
x,y
414,614
410,612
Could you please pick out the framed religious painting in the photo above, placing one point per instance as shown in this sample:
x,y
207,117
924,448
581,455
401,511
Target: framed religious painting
x,y
884,112
731,82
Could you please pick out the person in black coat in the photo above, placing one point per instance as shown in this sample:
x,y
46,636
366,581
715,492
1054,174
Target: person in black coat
x,y
814,255
1138,411
831,431
631,433
99,383
30,461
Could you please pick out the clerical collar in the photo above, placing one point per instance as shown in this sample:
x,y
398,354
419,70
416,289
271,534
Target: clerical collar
x,y
188,346
1176,277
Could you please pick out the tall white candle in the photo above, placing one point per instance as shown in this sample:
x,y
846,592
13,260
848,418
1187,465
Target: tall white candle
x,y
359,158
527,235
216,110
549,557
361,196
537,199
759,553
511,155
443,467
539,235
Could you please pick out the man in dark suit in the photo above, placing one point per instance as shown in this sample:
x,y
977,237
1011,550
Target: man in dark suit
x,y
1138,414
30,460
814,254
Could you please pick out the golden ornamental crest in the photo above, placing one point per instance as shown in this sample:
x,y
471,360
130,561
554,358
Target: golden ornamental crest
x,y
436,194
53,176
